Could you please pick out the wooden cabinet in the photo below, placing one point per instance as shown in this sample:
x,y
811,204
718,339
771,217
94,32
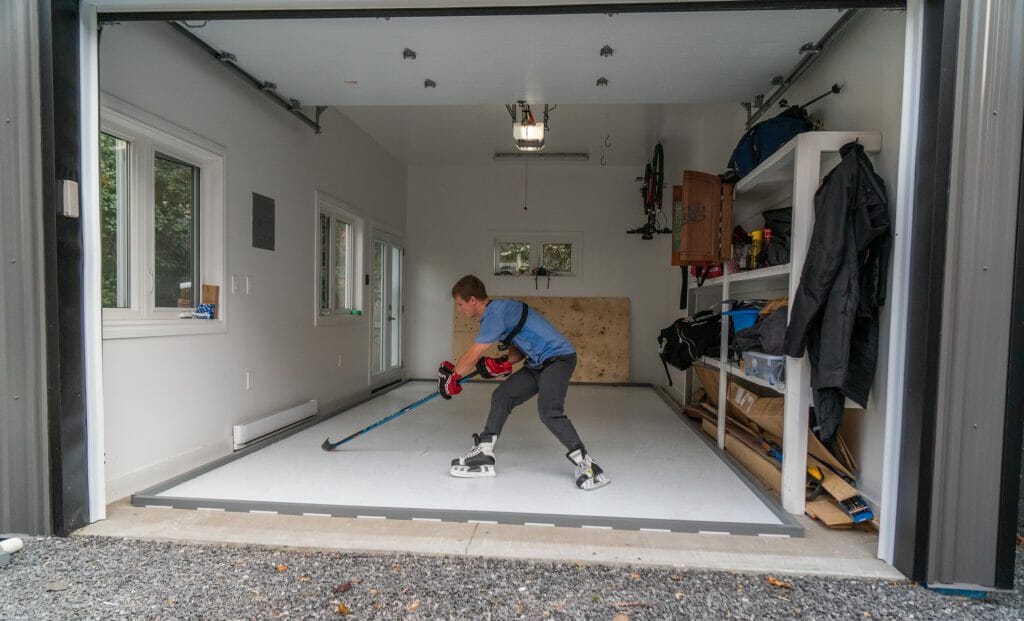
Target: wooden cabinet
x,y
701,219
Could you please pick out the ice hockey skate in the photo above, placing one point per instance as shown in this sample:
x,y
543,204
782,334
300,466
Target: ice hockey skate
x,y
589,475
479,462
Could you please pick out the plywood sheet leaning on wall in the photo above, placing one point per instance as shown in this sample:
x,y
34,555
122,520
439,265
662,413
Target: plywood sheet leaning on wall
x,y
597,327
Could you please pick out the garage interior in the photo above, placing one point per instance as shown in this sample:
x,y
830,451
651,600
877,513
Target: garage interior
x,y
407,145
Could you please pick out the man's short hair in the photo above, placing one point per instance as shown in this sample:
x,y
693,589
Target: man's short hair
x,y
469,286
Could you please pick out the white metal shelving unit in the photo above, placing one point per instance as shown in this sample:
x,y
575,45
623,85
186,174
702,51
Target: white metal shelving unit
x,y
791,173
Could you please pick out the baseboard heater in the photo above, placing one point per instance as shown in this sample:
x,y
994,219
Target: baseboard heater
x,y
253,431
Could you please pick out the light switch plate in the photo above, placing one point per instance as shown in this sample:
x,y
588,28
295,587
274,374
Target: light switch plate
x,y
69,204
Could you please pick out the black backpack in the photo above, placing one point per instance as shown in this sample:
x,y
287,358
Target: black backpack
x,y
780,221
687,339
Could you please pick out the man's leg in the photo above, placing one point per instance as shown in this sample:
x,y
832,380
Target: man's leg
x,y
515,390
553,383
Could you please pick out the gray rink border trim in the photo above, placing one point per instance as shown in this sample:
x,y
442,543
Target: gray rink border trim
x,y
755,486
151,497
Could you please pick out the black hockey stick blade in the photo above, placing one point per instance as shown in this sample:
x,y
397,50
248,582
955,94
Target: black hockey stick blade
x,y
330,446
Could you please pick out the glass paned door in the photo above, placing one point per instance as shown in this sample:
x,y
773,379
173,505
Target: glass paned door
x,y
386,310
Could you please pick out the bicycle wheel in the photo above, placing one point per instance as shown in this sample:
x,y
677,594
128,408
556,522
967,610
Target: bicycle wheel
x,y
645,190
656,178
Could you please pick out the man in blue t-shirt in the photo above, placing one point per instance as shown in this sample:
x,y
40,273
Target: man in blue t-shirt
x,y
550,361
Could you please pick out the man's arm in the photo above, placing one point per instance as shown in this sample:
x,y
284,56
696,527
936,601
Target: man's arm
x,y
514,355
467,361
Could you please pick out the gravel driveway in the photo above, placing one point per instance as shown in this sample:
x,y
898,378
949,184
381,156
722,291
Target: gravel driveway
x,y
110,578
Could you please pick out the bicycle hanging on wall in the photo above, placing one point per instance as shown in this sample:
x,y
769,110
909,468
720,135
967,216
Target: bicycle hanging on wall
x,y
653,180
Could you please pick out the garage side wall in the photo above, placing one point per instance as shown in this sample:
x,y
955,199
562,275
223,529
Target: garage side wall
x,y
170,402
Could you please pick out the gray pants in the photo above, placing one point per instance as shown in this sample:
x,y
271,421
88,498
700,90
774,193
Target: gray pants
x,y
549,383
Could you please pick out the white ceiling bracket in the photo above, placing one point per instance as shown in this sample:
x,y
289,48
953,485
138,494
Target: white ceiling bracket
x,y
809,52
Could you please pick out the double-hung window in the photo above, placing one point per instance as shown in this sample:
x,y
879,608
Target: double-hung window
x,y
338,259
520,254
161,224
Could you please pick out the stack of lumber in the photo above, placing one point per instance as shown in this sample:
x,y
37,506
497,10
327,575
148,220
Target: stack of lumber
x,y
754,438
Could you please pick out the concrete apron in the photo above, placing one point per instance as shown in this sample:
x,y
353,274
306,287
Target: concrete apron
x,y
821,551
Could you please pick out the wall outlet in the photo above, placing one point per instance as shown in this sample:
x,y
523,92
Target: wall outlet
x,y
339,360
234,283
248,380
248,285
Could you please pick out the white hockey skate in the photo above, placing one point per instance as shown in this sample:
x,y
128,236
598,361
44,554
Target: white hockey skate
x,y
589,475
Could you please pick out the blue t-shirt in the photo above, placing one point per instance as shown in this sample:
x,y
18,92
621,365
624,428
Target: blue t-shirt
x,y
538,340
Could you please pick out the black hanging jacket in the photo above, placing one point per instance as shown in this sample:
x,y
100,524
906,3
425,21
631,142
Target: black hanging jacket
x,y
843,284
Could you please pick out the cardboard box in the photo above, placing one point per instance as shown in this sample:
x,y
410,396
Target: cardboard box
x,y
766,413
743,447
211,295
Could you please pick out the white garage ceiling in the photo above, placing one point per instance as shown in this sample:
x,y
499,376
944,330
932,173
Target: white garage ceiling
x,y
488,60
481,63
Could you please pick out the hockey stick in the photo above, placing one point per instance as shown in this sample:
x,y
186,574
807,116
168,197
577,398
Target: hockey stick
x,y
330,446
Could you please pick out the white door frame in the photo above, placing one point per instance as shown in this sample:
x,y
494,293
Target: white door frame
x,y
91,254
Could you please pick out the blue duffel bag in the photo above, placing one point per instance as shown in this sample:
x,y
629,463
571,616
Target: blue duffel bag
x,y
765,138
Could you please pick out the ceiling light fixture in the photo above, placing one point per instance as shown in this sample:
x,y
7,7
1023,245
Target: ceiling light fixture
x,y
527,133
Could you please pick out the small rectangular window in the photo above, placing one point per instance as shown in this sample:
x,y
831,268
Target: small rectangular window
x,y
341,266
518,254
175,233
114,226
161,208
325,263
338,259
558,257
513,258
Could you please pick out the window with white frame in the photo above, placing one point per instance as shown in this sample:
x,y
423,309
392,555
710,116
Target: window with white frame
x,y
339,258
161,223
521,254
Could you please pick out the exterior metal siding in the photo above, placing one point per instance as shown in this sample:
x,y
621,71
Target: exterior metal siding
x,y
979,272
24,486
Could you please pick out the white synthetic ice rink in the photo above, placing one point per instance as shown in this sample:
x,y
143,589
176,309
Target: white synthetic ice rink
x,y
660,468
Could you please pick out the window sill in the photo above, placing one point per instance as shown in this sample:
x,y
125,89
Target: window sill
x,y
142,328
558,275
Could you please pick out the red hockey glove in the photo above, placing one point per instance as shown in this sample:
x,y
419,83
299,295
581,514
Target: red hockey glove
x,y
494,367
448,380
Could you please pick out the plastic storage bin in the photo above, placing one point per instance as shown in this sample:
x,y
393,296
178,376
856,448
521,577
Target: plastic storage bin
x,y
771,369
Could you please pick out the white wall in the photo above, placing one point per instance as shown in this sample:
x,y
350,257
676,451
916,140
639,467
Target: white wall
x,y
170,402
455,210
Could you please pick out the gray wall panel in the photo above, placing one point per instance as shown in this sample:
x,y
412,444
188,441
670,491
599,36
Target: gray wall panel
x,y
24,489
978,289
